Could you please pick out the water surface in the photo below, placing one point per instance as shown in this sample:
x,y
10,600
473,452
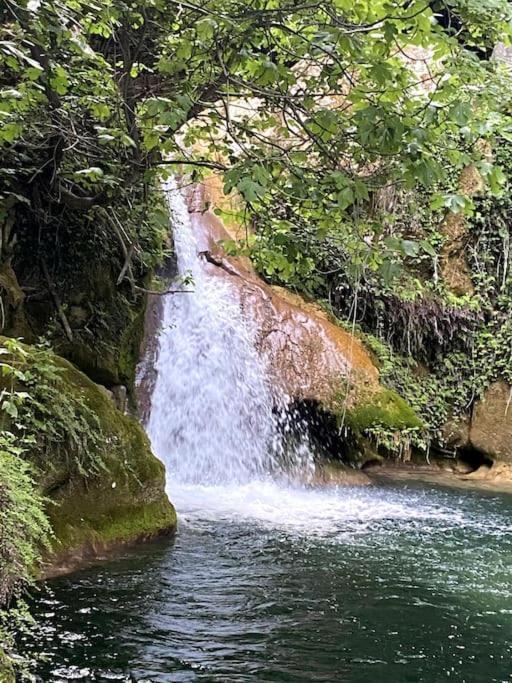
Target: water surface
x,y
261,583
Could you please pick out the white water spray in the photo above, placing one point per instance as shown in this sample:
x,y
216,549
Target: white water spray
x,y
212,418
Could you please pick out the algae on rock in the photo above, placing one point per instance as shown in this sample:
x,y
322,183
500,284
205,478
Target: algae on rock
x,y
95,466
126,501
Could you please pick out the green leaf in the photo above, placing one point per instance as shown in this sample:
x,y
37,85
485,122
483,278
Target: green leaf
x,y
9,407
345,198
428,248
92,173
251,190
410,248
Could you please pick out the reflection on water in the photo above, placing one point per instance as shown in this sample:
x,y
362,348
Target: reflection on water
x,y
381,584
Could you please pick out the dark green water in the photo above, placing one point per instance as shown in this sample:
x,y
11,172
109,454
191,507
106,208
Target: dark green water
x,y
387,584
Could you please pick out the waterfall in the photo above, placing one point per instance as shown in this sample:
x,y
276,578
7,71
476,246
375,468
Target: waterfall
x,y
213,416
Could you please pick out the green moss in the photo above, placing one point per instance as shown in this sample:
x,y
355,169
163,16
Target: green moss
x,y
93,463
99,363
129,348
6,670
85,520
111,354
385,409
126,501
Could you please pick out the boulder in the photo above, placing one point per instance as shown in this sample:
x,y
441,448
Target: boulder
x,y
491,424
93,464
123,503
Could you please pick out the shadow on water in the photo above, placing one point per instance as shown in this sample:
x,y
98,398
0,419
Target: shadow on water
x,y
415,584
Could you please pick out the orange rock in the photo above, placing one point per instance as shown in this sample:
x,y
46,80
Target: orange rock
x,y
308,355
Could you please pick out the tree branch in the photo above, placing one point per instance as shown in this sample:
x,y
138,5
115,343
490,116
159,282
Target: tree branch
x,y
56,300
193,162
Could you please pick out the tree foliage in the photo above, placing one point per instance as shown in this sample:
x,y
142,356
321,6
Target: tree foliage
x,y
308,108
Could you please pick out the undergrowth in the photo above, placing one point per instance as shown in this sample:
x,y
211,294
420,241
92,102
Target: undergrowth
x,y
41,423
49,423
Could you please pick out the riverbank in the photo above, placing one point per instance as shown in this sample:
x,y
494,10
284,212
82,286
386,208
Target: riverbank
x,y
497,478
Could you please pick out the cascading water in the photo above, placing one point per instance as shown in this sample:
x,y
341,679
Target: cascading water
x,y
231,449
213,415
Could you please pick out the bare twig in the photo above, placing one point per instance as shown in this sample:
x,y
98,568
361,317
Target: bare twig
x,y
56,300
127,263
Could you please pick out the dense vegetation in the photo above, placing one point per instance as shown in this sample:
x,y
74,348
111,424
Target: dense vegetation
x,y
347,131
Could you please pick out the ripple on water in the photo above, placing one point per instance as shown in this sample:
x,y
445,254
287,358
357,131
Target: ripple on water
x,y
261,583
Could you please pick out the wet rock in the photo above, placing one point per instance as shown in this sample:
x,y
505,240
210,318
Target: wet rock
x,y
491,425
309,356
120,397
455,433
147,368
337,474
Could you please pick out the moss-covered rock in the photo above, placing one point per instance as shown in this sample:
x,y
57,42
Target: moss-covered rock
x,y
111,357
6,670
94,464
375,423
106,320
123,503
384,409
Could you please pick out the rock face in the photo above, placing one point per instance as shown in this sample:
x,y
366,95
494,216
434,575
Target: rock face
x,y
491,424
148,354
309,356
454,265
489,429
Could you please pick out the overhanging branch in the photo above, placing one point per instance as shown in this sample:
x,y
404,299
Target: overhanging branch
x,y
193,162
